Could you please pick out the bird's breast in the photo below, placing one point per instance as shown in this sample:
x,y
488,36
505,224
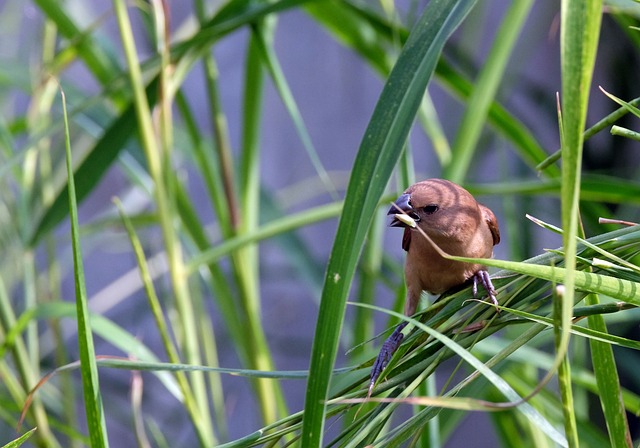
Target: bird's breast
x,y
427,270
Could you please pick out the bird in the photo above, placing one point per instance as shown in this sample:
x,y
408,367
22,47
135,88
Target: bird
x,y
458,225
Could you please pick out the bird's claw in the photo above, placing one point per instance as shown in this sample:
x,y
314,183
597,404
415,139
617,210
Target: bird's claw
x,y
386,352
484,278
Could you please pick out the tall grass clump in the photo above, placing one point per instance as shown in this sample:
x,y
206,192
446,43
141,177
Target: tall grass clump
x,y
190,258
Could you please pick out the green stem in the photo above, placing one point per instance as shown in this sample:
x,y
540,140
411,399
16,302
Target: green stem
x,y
154,156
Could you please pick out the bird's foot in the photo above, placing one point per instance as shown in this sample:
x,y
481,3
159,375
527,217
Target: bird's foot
x,y
485,280
386,352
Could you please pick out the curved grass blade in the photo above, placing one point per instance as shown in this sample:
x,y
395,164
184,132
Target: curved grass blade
x,y
271,229
103,327
230,18
485,89
102,64
95,165
279,80
380,150
128,364
468,403
204,431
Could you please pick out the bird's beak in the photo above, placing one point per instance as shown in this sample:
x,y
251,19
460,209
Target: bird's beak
x,y
399,218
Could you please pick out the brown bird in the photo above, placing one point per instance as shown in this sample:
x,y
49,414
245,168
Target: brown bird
x,y
458,225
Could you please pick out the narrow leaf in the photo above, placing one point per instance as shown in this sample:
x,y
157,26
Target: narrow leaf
x,y
380,150
90,383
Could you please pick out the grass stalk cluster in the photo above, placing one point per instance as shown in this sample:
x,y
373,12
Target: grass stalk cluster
x,y
566,315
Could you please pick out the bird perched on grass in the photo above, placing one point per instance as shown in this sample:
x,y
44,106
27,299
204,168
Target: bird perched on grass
x,y
458,225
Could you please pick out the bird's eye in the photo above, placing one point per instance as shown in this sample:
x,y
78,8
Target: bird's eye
x,y
430,209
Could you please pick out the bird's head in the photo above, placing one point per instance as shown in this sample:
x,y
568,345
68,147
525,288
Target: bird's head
x,y
447,213
436,205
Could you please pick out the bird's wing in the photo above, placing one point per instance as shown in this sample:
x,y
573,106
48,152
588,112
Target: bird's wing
x,y
491,221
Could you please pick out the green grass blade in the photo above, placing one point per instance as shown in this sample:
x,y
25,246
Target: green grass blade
x,y
564,368
379,152
580,28
156,144
268,230
91,388
593,130
579,37
101,64
590,333
432,125
363,322
28,377
202,428
277,75
595,187
230,17
20,440
580,376
272,398
101,326
623,263
628,106
187,53
485,89
608,380
483,369
195,229
128,364
624,132
624,290
94,166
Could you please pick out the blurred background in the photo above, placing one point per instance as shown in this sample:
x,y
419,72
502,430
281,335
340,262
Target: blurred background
x,y
320,77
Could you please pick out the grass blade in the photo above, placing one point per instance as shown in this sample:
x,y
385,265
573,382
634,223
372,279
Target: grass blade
x,y
468,403
380,150
233,16
91,170
485,90
20,440
156,144
624,290
608,381
203,431
277,75
91,50
91,387
580,28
